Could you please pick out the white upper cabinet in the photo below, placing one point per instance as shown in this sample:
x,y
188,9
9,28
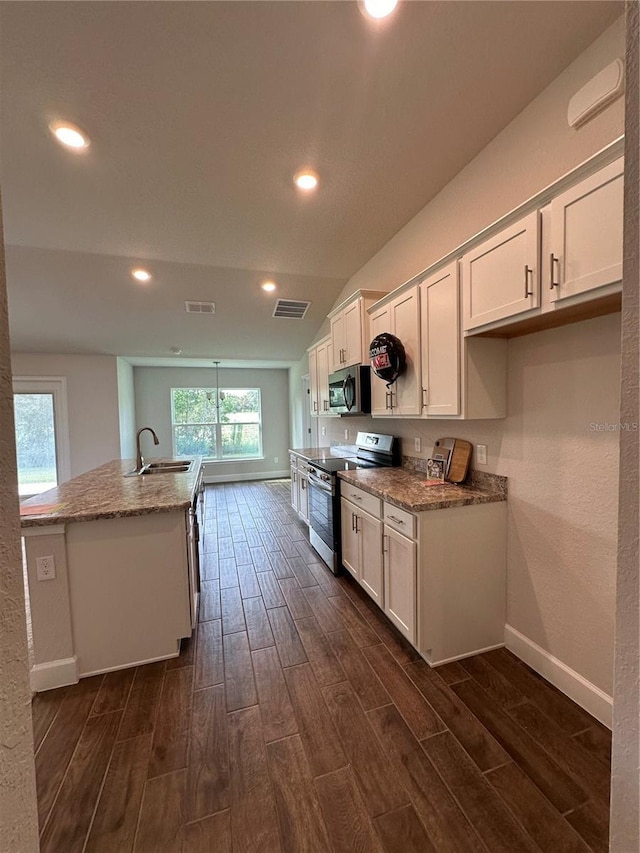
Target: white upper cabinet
x,y
314,394
501,277
319,358
440,336
586,234
350,330
399,317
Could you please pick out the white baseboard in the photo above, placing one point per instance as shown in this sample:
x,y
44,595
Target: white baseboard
x,y
55,673
570,682
233,478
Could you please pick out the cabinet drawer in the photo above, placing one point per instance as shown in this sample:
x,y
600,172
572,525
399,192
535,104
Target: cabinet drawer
x,y
400,520
364,500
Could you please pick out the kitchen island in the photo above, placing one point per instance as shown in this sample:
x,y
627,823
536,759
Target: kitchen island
x,y
120,570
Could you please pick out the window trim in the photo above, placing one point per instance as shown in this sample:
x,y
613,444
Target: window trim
x,y
218,424
57,387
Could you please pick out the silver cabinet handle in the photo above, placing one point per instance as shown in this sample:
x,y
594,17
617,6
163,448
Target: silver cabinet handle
x,y
325,405
355,497
295,477
425,398
357,529
303,484
397,520
552,282
384,549
353,521
315,406
527,271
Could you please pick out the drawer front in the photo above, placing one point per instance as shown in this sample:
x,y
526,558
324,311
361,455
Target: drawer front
x,y
363,500
400,520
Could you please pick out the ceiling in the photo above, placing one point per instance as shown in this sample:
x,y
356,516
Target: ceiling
x,y
200,113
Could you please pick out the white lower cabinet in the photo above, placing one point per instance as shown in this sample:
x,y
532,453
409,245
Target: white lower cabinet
x,y
400,574
299,486
439,576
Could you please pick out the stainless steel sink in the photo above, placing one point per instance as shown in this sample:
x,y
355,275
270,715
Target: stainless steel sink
x,y
175,466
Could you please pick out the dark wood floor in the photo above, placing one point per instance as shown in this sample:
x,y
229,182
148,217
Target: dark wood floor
x,y
299,720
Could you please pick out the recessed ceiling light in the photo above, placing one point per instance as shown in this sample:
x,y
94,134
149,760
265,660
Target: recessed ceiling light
x,y
70,135
379,8
269,286
306,179
141,275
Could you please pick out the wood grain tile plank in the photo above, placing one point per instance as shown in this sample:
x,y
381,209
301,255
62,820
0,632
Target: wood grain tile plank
x,y
486,811
209,607
325,578
269,541
301,572
348,825
363,634
557,785
542,821
187,656
209,668
232,610
483,748
249,586
295,598
271,592
210,835
207,781
279,565
375,774
116,817
317,731
254,823
492,682
228,572
568,753
597,741
591,822
401,832
288,642
303,829
327,616
276,710
287,547
260,560
417,712
365,683
209,566
60,742
258,625
44,708
446,825
162,814
171,732
569,716
241,550
240,687
225,543
450,673
402,651
70,817
114,691
326,667
253,536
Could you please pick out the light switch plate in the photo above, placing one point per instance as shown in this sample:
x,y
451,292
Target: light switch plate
x,y
417,445
481,454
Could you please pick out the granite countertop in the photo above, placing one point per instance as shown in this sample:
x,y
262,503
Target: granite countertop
x,y
105,493
406,489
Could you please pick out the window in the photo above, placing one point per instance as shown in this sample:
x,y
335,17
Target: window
x,y
220,424
42,442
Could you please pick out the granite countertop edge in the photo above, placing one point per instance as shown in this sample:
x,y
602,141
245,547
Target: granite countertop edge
x,y
407,490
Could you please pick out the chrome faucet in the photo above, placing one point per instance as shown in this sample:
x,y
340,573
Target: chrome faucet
x,y
139,456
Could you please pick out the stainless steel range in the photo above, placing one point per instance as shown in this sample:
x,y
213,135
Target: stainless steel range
x,y
372,451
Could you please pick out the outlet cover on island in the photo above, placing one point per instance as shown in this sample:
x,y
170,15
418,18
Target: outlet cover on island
x,y
346,433
417,445
45,568
324,430
481,454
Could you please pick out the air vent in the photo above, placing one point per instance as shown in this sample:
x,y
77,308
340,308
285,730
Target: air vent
x,y
291,308
200,307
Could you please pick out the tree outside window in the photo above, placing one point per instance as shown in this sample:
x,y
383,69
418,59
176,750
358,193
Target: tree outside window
x,y
216,423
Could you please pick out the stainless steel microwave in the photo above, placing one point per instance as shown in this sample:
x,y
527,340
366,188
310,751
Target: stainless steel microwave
x,y
350,391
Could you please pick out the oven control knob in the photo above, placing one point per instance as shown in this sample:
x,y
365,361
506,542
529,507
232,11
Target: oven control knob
x,y
325,477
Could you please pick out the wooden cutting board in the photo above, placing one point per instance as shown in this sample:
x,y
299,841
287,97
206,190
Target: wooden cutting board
x,y
458,451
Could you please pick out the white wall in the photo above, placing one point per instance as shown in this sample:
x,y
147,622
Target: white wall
x,y
92,397
126,409
153,408
562,475
18,808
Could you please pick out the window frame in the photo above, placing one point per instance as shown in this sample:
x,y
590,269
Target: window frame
x,y
218,424
57,387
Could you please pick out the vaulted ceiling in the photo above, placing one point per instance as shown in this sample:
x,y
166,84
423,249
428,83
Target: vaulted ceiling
x,y
200,113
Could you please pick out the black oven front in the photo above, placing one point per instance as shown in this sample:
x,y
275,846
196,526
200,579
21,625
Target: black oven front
x,y
323,514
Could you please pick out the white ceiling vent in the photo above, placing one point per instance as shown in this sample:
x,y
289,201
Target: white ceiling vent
x,y
291,308
200,307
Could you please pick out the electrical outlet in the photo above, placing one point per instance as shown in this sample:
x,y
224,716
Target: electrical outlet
x,y
346,433
481,454
45,568
275,458
324,430
417,445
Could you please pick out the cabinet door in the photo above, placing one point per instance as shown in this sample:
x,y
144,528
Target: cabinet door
x,y
303,496
400,582
323,378
352,324
405,325
350,549
371,574
314,395
379,322
501,277
586,234
440,337
337,352
294,487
